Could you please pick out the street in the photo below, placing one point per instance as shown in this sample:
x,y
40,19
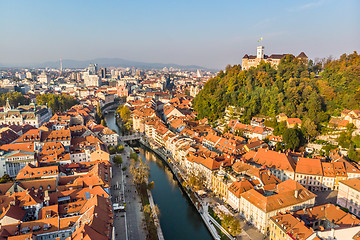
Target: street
x,y
129,224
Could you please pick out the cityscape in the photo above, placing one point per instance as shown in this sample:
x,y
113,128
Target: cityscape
x,y
169,125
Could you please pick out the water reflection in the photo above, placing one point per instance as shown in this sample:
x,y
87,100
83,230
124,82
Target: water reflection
x,y
152,157
111,123
179,218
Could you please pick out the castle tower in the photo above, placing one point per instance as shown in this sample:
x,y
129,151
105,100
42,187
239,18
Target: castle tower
x,y
260,52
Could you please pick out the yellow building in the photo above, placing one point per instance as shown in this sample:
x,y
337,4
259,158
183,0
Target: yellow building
x,y
285,226
340,174
220,183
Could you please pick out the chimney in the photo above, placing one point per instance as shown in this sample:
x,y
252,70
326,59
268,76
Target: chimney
x,y
296,194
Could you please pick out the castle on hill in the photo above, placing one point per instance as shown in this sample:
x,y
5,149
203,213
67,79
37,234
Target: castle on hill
x,y
274,59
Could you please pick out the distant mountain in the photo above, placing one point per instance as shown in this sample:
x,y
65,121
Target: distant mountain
x,y
106,62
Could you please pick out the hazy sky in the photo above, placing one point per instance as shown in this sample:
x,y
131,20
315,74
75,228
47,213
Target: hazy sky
x,y
207,33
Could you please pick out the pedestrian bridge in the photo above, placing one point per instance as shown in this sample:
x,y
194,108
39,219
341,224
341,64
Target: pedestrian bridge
x,y
135,136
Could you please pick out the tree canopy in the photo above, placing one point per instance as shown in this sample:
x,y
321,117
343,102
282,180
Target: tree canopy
x,y
15,99
293,88
57,103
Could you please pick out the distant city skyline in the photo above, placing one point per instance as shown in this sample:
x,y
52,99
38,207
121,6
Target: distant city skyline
x,y
206,33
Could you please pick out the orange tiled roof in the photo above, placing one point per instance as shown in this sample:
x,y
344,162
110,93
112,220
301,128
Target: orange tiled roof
x,y
330,212
30,172
274,159
293,226
309,166
284,197
239,187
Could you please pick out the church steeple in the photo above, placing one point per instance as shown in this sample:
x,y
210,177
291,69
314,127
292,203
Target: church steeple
x,y
7,106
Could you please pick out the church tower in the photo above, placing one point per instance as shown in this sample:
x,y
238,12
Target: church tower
x,y
260,52
7,106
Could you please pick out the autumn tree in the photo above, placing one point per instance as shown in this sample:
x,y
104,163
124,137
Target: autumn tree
x,y
231,224
15,99
309,129
139,171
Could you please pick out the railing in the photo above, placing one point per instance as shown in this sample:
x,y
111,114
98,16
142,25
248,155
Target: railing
x,y
130,137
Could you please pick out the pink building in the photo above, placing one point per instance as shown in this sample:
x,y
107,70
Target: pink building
x,y
349,195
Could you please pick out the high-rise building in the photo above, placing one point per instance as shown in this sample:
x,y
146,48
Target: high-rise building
x,y
43,78
93,68
91,80
29,75
103,72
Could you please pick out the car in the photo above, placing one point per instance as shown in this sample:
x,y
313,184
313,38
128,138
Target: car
x,y
118,207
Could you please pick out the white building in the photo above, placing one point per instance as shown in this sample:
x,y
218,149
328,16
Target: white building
x,y
91,80
43,78
31,114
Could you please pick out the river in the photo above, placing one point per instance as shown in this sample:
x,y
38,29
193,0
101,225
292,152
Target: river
x,y
178,217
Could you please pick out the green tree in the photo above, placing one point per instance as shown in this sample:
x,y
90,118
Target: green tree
x,y
120,148
280,128
98,110
292,138
57,103
15,99
118,160
112,150
5,178
344,139
134,156
353,154
309,129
